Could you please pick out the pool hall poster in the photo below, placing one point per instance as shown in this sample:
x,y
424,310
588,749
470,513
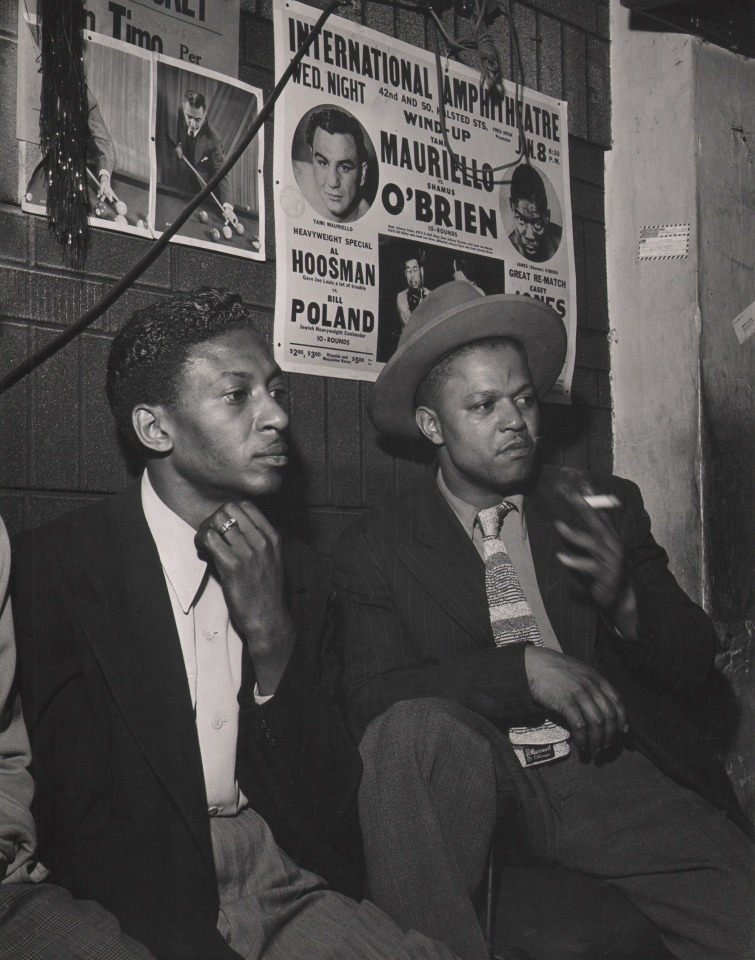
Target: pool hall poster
x,y
158,128
376,204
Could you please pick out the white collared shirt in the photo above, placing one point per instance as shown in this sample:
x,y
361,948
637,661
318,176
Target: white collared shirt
x,y
211,649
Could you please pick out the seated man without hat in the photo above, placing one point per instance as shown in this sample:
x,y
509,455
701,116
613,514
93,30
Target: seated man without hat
x,y
192,775
510,633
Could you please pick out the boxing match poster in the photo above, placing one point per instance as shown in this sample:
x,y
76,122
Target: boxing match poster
x,y
375,207
159,127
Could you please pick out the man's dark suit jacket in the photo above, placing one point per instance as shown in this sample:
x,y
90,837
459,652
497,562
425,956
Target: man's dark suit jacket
x,y
414,620
120,805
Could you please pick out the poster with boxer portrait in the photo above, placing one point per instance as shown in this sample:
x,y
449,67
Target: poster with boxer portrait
x,y
386,186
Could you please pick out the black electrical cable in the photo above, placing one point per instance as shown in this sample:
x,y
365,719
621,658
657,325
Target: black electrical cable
x,y
463,45
466,45
469,43
133,274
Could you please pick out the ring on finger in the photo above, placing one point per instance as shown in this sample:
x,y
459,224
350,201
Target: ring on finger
x,y
225,527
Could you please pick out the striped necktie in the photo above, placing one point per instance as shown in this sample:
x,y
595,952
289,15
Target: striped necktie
x,y
513,621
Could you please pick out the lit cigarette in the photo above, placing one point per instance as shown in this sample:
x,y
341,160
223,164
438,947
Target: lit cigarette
x,y
602,501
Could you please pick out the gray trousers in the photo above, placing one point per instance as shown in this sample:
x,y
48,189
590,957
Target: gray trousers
x,y
270,909
429,801
39,921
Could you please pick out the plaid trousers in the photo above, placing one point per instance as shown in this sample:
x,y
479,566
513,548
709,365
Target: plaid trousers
x,y
39,921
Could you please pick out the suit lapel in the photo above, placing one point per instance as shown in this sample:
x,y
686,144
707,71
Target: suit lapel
x,y
573,620
441,556
136,643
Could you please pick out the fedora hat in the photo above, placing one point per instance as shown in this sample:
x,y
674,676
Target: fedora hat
x,y
448,318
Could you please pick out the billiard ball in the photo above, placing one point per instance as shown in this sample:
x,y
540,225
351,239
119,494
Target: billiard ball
x,y
203,216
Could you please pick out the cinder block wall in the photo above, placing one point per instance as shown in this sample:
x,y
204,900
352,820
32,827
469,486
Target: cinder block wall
x,y
57,448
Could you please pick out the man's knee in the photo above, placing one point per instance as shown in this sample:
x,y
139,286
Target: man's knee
x,y
421,731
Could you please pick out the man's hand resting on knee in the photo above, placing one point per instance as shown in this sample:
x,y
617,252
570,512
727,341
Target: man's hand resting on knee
x,y
591,707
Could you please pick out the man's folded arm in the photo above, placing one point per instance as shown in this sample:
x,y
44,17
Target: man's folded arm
x,y
383,665
491,682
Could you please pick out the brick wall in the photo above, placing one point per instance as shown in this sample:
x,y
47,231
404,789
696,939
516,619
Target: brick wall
x,y
57,447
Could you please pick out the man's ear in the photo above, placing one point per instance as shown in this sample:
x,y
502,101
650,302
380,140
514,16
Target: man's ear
x,y
429,424
151,428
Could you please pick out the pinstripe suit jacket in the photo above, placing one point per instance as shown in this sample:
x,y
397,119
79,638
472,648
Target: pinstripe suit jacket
x,y
414,622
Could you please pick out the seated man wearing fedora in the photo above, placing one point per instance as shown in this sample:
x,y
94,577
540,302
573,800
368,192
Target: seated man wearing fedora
x,y
509,629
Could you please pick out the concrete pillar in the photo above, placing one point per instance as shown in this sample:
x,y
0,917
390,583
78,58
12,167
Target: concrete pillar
x,y
653,305
684,138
